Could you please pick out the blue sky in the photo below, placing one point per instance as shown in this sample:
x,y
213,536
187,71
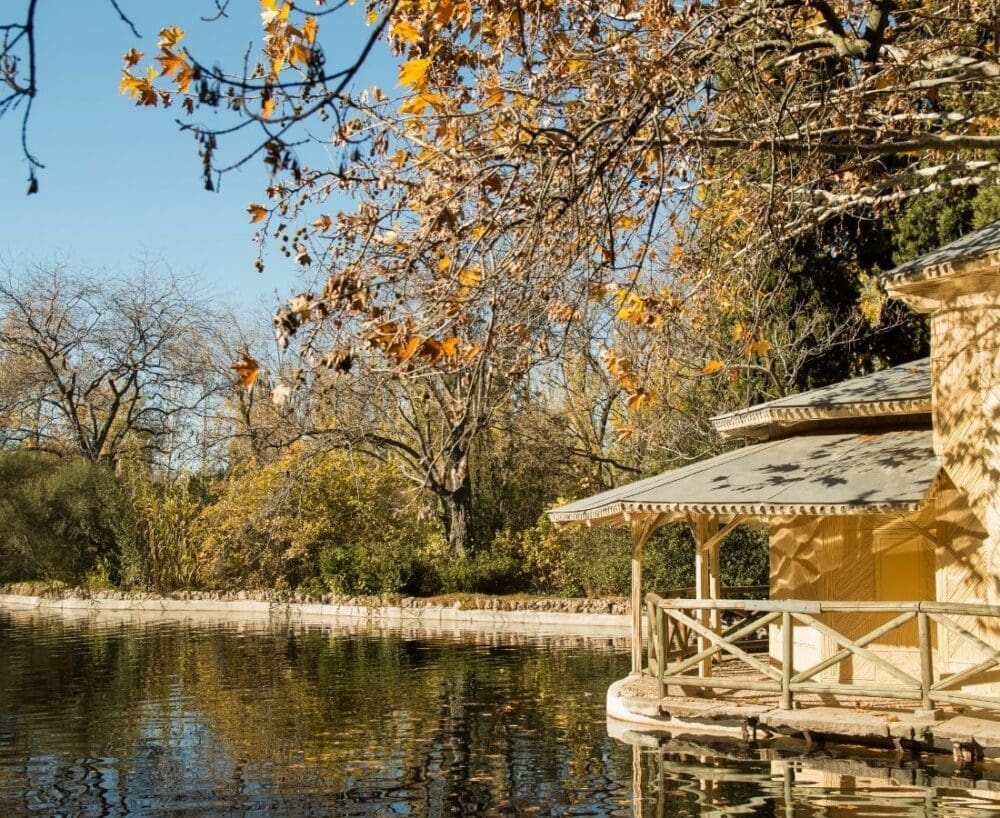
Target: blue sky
x,y
120,183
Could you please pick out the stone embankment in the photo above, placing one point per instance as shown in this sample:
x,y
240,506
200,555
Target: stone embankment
x,y
478,609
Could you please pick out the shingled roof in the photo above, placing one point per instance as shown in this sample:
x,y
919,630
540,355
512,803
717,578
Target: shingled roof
x,y
977,246
809,474
901,390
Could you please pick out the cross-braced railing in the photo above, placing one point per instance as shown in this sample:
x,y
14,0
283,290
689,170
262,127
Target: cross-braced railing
x,y
687,635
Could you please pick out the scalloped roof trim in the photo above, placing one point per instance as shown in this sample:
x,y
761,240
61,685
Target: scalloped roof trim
x,y
622,509
754,418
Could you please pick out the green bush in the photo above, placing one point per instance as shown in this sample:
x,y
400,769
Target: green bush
x,y
349,520
596,561
158,544
57,518
496,569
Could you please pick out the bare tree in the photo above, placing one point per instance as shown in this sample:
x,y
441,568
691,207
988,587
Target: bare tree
x,y
91,365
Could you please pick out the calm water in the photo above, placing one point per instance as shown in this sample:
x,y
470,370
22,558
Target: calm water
x,y
105,717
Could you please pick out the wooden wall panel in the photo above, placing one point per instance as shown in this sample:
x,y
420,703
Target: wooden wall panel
x,y
965,358
850,558
963,575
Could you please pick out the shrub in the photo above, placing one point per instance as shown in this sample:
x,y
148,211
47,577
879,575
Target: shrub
x,y
349,520
57,518
496,569
158,545
597,561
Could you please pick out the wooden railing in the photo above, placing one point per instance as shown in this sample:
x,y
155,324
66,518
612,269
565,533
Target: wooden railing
x,y
728,592
681,644
687,635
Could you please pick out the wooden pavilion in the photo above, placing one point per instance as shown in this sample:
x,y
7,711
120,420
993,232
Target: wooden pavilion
x,y
881,496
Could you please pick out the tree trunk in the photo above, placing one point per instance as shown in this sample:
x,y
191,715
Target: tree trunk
x,y
455,511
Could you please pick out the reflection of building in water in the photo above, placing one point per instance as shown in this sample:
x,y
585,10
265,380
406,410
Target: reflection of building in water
x,y
882,500
685,778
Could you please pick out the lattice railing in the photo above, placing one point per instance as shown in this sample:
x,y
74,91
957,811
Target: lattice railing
x,y
687,635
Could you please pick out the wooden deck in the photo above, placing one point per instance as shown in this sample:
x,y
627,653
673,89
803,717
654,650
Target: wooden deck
x,y
755,716
708,664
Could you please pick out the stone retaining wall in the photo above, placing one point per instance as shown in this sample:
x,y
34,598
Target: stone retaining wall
x,y
464,609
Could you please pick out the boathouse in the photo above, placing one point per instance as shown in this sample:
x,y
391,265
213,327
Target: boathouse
x,y
881,497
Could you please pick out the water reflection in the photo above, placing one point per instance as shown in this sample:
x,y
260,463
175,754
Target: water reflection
x,y
722,779
130,717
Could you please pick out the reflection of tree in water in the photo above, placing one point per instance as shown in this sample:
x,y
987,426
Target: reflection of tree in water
x,y
254,719
222,718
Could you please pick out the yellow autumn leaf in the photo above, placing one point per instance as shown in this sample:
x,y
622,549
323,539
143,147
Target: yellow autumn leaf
x,y
414,72
405,31
640,399
712,367
270,5
404,353
449,347
761,347
184,78
624,433
443,264
309,30
257,213
169,37
130,85
299,54
267,107
470,277
138,88
132,57
414,105
171,62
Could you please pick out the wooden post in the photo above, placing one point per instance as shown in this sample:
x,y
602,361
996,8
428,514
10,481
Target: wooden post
x,y
714,569
641,529
662,650
708,537
926,660
787,641
702,583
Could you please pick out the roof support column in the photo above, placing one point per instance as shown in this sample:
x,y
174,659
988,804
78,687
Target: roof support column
x,y
642,527
708,537
706,580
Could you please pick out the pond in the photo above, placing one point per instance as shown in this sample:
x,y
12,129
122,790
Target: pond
x,y
103,717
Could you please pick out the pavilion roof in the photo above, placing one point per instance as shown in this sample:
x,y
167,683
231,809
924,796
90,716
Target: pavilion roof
x,y
979,245
901,390
809,474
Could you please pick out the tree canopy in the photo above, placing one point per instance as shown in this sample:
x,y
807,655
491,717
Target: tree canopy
x,y
615,205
